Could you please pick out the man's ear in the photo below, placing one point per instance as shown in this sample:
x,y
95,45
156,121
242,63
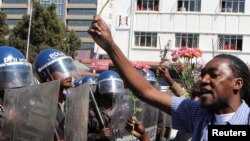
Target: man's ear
x,y
238,83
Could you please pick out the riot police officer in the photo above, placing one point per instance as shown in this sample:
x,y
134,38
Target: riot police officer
x,y
150,76
109,86
52,64
92,82
85,79
15,72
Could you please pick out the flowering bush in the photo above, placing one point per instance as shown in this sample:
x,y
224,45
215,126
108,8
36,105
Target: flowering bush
x,y
141,66
184,61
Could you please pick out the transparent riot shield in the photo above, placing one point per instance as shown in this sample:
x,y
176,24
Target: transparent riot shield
x,y
125,109
149,116
122,111
164,120
76,117
31,112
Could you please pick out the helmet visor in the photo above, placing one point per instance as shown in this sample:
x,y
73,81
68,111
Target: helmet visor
x,y
113,85
16,75
65,67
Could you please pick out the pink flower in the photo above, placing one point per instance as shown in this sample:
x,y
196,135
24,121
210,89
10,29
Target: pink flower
x,y
197,53
185,52
142,66
180,68
184,61
175,58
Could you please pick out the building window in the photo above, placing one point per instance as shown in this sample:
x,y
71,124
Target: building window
x,y
82,1
146,39
186,40
83,34
147,5
60,6
15,11
87,45
230,42
189,5
233,6
14,1
13,21
81,11
79,22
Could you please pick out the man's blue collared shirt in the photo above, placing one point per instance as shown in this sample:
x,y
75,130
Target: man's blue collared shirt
x,y
189,116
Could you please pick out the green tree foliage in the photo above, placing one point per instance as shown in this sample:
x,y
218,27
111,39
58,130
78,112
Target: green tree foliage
x,y
47,31
4,28
73,43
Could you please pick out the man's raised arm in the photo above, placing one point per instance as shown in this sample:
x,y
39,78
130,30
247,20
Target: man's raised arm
x,y
101,34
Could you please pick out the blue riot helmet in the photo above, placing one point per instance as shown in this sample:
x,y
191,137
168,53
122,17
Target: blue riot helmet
x,y
85,79
50,61
15,71
149,76
109,86
110,82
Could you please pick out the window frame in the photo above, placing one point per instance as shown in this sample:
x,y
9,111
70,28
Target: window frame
x,y
15,11
145,39
81,1
82,34
14,1
87,45
190,40
147,5
13,22
78,22
81,11
186,5
232,6
230,42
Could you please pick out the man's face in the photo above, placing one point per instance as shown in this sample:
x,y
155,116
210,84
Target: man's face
x,y
109,98
66,82
217,83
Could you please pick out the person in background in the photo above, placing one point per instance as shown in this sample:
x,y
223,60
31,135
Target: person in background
x,y
15,72
224,85
92,82
86,79
151,78
109,86
52,64
178,91
175,86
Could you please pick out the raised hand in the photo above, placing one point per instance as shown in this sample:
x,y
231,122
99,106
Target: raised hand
x,y
136,128
100,33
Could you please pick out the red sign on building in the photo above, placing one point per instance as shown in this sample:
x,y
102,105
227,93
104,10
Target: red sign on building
x,y
99,64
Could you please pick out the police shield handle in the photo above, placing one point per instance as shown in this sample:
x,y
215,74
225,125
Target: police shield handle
x,y
97,110
56,135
